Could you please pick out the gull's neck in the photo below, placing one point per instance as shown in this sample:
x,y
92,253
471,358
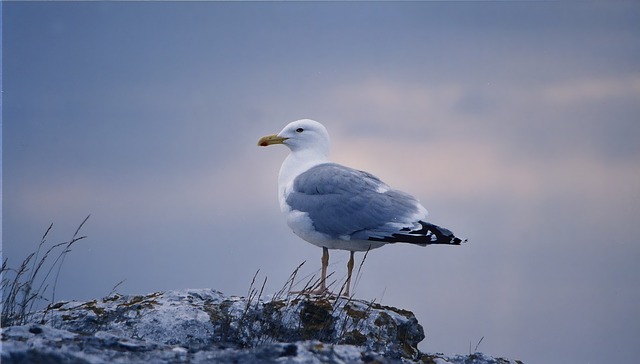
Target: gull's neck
x,y
296,163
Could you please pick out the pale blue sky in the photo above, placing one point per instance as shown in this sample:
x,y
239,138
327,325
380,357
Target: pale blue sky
x,y
515,123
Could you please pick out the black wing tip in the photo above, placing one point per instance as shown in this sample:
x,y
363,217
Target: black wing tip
x,y
443,235
452,240
458,241
428,234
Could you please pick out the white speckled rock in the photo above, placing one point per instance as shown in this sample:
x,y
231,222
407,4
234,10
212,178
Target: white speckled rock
x,y
203,325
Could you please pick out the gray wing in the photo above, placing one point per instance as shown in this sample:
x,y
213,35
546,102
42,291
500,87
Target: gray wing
x,y
342,201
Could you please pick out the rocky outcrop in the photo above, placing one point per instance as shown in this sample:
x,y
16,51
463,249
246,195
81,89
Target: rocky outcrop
x,y
204,326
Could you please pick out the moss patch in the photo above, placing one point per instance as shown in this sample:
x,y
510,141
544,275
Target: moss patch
x,y
316,317
355,313
406,313
355,337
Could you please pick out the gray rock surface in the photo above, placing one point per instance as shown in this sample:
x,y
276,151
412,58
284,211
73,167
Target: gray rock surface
x,y
204,326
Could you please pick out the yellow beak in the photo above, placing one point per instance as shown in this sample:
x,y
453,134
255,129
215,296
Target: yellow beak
x,y
271,139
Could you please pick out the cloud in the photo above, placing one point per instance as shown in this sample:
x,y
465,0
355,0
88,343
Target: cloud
x,y
584,91
231,189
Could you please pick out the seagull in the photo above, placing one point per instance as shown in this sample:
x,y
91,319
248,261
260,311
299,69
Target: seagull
x,y
336,207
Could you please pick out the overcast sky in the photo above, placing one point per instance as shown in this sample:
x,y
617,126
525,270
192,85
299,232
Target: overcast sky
x,y
515,123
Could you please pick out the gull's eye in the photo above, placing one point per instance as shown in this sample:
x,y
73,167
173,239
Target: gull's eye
x,y
299,130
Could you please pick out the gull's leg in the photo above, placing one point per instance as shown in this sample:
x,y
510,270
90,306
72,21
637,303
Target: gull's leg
x,y
322,290
325,264
349,271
